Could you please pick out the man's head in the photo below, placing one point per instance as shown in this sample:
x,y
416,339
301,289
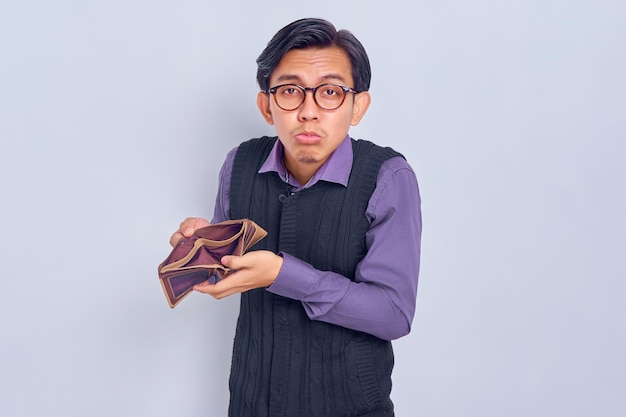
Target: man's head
x,y
314,33
314,83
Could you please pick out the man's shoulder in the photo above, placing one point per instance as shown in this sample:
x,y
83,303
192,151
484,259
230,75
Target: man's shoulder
x,y
252,153
254,148
260,141
367,149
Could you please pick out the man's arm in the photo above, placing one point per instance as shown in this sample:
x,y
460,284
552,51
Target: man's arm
x,y
381,300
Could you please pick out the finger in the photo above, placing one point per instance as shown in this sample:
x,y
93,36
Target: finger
x,y
191,224
220,291
175,238
187,227
228,286
214,290
227,261
203,287
235,262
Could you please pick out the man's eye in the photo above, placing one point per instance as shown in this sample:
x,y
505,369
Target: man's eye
x,y
330,92
291,91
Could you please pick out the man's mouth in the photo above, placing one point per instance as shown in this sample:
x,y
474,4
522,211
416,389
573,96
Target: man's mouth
x,y
308,137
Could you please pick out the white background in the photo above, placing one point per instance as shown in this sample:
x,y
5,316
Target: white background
x,y
115,117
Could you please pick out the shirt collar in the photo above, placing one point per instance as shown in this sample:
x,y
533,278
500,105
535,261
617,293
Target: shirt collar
x,y
336,168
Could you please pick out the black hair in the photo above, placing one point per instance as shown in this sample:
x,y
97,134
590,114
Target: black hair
x,y
314,33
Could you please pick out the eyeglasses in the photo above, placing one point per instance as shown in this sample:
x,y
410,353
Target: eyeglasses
x,y
327,96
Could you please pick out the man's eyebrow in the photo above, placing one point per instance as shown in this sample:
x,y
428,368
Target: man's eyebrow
x,y
289,77
334,76
297,79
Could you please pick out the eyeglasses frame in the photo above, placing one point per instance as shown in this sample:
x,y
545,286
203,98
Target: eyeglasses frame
x,y
345,89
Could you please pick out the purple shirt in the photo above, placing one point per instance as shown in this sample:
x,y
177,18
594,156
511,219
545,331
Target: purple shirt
x,y
381,300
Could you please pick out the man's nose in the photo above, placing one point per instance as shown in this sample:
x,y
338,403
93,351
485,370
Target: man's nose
x,y
309,109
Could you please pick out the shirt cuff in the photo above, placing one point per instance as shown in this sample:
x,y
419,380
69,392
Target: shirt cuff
x,y
293,279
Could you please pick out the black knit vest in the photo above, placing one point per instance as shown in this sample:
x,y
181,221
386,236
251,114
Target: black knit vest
x,y
285,364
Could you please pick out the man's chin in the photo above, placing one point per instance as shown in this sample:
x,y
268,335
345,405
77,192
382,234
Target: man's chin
x,y
307,159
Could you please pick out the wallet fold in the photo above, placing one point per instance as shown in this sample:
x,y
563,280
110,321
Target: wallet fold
x,y
195,259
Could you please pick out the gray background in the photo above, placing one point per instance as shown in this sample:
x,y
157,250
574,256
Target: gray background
x,y
115,117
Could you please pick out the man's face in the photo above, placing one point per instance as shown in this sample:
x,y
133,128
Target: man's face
x,y
310,134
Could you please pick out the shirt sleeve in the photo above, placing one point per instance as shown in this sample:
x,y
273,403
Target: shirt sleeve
x,y
222,202
381,300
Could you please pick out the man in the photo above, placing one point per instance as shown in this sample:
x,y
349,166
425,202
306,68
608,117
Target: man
x,y
335,280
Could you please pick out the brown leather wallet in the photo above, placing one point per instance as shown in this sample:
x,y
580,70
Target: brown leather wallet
x,y
195,259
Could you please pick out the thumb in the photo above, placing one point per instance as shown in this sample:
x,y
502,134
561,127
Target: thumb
x,y
228,261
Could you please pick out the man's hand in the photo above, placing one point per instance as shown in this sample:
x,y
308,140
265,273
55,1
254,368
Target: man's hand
x,y
256,269
187,228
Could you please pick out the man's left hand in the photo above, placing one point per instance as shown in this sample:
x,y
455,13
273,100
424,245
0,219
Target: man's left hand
x,y
256,269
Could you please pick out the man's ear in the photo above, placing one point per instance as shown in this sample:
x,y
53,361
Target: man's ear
x,y
263,103
362,101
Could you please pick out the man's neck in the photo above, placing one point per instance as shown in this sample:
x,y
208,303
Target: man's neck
x,y
304,174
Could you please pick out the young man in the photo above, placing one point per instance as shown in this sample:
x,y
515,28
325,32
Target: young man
x,y
336,278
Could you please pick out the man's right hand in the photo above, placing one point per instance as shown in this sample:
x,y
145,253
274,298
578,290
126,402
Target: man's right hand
x,y
187,228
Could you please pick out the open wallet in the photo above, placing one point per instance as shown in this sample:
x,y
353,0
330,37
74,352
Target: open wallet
x,y
195,259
